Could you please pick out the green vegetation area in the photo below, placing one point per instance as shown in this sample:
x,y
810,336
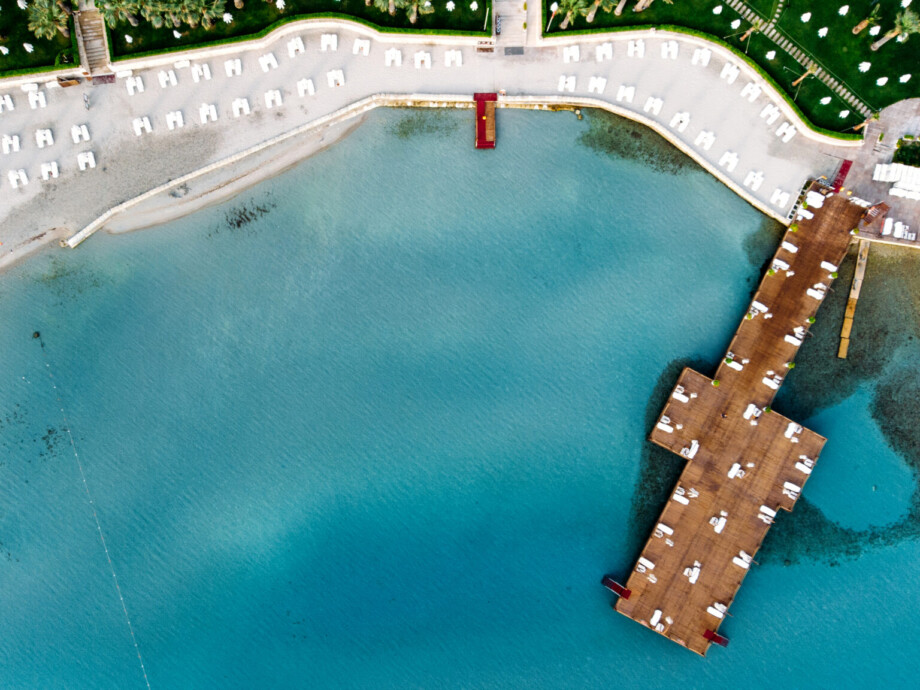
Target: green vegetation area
x,y
15,34
908,153
839,51
156,28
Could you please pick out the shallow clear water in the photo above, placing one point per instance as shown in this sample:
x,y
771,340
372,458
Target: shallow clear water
x,y
378,423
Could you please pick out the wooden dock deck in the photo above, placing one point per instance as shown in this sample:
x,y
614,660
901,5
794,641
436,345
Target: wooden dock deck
x,y
745,461
855,288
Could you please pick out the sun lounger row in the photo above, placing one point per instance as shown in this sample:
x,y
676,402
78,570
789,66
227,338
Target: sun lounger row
x,y
49,170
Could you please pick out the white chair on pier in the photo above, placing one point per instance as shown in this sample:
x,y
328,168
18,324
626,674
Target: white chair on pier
x,y
268,61
141,125
362,46
597,85
79,133
49,170
453,57
571,54
167,78
234,67
207,113
604,51
305,87
422,59
729,161
295,47
705,140
393,57
174,119
272,98
335,78
329,42
240,107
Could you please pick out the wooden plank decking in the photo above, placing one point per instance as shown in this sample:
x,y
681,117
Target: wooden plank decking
x,y
745,461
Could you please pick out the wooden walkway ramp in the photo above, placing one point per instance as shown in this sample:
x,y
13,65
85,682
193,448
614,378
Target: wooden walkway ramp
x,y
745,461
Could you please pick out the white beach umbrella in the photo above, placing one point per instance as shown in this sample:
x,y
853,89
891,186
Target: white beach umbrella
x,y
825,100
717,9
771,55
450,5
844,114
822,32
843,10
736,23
881,81
864,66
806,16
874,31
904,78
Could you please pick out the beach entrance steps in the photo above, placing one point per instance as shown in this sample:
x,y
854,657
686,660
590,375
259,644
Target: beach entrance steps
x,y
92,43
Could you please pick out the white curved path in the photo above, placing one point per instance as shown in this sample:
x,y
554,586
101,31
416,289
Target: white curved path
x,y
713,117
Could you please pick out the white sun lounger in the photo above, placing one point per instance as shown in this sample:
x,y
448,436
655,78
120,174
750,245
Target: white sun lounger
x,y
729,72
453,57
79,133
604,51
10,144
200,72
886,228
240,106
37,100
751,92
789,247
44,137
305,87
729,160
571,54
597,85
790,132
268,62
422,59
636,48
328,42
134,85
770,113
653,105
85,160
701,57
669,50
167,78
295,46
393,57
567,83
753,179
17,178
667,428
141,125
174,119
233,67
207,112
680,121
272,98
626,93
362,46
335,78
49,170
6,103
705,140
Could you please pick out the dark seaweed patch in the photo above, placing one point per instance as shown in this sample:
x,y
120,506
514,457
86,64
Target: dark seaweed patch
x,y
68,280
622,138
423,122
242,217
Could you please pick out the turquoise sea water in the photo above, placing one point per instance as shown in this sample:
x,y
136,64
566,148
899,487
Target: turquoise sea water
x,y
379,423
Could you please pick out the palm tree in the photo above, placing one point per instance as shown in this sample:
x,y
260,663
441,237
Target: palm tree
x,y
417,7
905,24
645,4
382,5
619,10
238,4
811,70
873,17
572,8
754,27
213,9
606,5
115,11
46,18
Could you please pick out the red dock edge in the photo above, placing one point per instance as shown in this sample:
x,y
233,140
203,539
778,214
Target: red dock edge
x,y
615,587
842,173
716,637
482,136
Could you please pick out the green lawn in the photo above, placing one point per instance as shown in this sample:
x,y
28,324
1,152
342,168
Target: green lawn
x,y
840,53
257,16
14,32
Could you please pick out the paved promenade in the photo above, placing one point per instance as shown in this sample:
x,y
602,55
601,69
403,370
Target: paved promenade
x,y
171,118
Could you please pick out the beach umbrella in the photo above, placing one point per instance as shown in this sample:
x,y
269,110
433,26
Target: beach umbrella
x,y
843,10
822,32
806,17
717,9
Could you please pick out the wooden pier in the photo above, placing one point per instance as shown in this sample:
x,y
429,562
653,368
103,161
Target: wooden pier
x,y
485,119
855,288
745,462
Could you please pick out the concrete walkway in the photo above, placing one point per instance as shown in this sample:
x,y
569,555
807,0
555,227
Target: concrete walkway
x,y
711,111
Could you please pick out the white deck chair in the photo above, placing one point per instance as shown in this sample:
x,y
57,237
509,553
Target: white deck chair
x,y
175,119
167,78
141,125
335,78
200,72
6,103
49,170
604,51
571,54
393,57
241,107
328,42
272,98
453,57
422,59
17,178
362,46
268,62
10,144
233,67
305,87
79,133
626,94
37,100
43,138
207,112
597,85
653,105
295,46
86,160
636,48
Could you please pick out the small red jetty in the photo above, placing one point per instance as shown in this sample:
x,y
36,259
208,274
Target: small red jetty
x,y
485,119
841,176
